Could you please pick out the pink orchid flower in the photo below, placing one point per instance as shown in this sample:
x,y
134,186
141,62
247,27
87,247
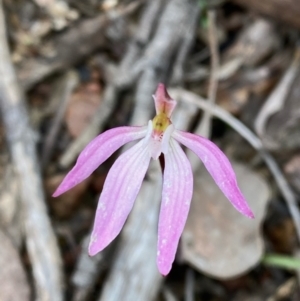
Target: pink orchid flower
x,y
125,178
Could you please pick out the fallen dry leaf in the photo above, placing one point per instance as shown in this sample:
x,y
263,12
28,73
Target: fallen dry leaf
x,y
234,100
14,285
65,205
82,107
281,233
217,240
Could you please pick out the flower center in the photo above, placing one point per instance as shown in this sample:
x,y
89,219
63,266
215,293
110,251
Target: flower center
x,y
160,123
158,136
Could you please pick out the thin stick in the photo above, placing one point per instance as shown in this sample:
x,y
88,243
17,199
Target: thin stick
x,y
40,239
185,47
62,91
189,286
88,269
205,125
276,100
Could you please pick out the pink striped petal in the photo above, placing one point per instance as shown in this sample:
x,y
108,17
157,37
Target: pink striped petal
x,y
218,166
120,190
96,152
176,198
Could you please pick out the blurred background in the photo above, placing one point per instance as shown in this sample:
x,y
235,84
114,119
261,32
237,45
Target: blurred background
x,y
71,69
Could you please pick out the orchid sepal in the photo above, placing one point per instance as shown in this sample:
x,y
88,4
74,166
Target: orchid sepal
x,y
217,164
98,151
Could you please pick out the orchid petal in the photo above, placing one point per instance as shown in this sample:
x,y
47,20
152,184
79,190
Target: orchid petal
x,y
176,199
120,190
218,166
165,143
96,152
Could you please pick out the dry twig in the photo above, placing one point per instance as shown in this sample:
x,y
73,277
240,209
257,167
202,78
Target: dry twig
x,y
10,215
215,60
62,91
40,239
284,291
168,294
185,47
276,100
87,270
204,126
189,286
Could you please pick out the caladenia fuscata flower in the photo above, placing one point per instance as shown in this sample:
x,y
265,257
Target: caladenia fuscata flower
x,y
125,177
